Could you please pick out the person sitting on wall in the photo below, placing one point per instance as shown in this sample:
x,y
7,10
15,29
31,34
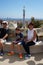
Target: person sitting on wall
x,y
30,40
17,41
3,35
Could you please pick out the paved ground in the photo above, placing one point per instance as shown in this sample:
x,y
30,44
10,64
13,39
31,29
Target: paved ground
x,y
36,59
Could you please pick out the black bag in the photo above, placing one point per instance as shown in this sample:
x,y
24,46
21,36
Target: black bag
x,y
37,38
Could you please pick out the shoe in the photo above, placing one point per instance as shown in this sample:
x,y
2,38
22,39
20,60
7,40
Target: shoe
x,y
20,56
10,53
27,56
1,54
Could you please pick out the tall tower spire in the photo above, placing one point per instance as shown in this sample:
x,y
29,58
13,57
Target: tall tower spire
x,y
24,16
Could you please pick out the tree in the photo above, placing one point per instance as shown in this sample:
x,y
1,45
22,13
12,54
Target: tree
x,y
1,21
20,24
32,19
35,22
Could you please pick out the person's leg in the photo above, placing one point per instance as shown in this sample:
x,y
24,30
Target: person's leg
x,y
2,44
12,47
11,50
1,47
26,46
19,49
29,44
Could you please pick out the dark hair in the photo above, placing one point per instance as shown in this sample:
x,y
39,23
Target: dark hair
x,y
17,29
30,24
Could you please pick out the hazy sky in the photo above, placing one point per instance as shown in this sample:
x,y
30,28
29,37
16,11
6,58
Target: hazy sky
x,y
13,8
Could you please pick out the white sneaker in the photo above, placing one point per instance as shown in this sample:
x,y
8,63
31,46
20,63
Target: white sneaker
x,y
1,54
27,56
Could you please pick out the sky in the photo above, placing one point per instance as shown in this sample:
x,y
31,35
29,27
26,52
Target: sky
x,y
14,8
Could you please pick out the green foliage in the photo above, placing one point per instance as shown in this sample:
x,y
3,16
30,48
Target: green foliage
x,y
20,24
1,21
35,22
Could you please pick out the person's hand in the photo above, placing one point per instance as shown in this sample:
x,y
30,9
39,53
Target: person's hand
x,y
17,41
14,42
28,41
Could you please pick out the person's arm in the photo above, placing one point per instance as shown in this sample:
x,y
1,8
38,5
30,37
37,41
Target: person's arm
x,y
5,36
21,37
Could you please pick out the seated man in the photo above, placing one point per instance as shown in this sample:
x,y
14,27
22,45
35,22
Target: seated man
x,y
18,40
3,35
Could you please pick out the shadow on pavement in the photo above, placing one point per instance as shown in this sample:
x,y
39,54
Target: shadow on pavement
x,y
33,63
38,56
11,58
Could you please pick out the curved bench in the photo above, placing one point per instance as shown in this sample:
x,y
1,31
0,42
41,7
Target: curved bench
x,y
37,48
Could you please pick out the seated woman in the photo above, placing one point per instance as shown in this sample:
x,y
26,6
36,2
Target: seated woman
x,y
17,41
30,40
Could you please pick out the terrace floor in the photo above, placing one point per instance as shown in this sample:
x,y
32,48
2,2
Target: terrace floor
x,y
35,59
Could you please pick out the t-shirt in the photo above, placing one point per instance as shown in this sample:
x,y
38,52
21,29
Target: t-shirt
x,y
31,34
19,36
3,32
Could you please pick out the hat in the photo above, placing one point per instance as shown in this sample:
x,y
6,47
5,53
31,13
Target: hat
x,y
5,22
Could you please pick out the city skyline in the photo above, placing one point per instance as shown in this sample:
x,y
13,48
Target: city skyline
x,y
14,8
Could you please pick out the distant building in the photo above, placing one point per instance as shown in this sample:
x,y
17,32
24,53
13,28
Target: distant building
x,y
24,16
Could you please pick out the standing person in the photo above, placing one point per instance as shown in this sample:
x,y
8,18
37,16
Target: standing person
x,y
17,41
3,35
31,39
